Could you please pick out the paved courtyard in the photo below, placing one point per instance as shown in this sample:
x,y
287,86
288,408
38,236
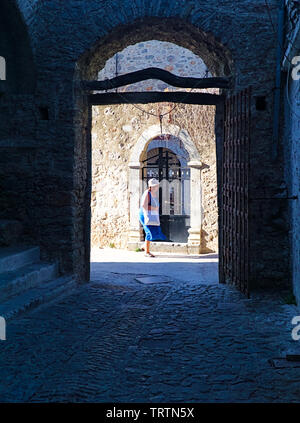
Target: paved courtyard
x,y
116,339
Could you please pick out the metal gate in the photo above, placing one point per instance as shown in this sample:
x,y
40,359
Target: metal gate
x,y
234,258
165,166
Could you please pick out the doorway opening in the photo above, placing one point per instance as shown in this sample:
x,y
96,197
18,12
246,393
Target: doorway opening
x,y
223,150
136,140
114,93
180,149
173,173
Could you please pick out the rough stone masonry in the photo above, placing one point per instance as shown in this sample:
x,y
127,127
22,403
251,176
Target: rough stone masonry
x,y
46,124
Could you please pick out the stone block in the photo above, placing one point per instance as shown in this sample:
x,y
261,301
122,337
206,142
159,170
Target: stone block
x,y
10,232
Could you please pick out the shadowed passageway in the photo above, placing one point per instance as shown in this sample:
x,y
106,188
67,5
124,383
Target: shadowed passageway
x,y
116,339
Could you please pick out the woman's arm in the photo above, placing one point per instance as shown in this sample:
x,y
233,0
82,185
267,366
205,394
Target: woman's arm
x,y
146,204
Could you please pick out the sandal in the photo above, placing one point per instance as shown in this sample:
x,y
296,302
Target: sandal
x,y
149,255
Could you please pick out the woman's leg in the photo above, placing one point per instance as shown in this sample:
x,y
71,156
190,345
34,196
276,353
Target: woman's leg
x,y
148,249
147,246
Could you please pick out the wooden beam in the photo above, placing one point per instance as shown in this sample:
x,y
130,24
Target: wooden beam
x,y
156,73
155,97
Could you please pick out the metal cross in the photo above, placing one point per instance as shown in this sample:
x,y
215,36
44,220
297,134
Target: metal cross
x,y
160,121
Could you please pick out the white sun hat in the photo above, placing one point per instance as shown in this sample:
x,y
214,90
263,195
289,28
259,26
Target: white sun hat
x,y
153,182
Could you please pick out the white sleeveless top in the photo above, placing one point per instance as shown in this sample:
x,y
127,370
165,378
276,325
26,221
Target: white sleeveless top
x,y
153,202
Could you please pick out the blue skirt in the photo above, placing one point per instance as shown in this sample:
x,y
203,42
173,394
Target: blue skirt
x,y
152,232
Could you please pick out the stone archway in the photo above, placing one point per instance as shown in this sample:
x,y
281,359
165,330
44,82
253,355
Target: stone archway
x,y
85,36
194,163
219,61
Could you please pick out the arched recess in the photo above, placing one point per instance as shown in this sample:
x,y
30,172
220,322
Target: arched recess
x,y
16,49
195,165
215,55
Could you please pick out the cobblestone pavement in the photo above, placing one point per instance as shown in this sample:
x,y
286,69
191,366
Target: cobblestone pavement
x,y
118,340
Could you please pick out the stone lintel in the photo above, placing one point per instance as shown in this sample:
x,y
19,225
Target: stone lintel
x,y
195,163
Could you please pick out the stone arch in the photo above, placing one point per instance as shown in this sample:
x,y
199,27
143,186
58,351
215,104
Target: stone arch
x,y
218,60
84,29
180,152
215,55
154,131
195,165
180,187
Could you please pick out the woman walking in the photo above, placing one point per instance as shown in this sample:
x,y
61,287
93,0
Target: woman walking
x,y
149,215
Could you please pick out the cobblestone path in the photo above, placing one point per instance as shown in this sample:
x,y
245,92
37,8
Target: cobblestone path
x,y
118,340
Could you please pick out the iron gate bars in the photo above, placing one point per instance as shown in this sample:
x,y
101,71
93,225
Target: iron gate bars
x,y
234,259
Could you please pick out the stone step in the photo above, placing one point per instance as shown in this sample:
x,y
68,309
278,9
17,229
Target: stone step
x,y
10,232
43,294
13,258
167,247
15,282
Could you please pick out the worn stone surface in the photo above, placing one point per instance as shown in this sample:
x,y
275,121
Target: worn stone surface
x,y
293,157
73,40
116,340
10,231
168,56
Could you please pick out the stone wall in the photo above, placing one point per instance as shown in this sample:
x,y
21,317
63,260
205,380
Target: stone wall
x,y
116,130
168,56
72,40
291,140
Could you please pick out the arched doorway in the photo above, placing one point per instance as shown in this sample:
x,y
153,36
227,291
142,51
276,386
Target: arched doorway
x,y
182,146
171,170
87,68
